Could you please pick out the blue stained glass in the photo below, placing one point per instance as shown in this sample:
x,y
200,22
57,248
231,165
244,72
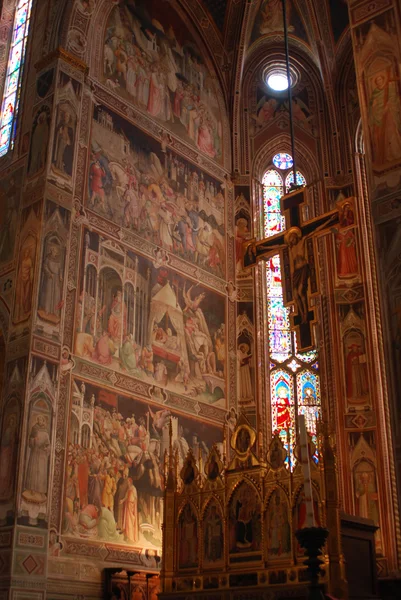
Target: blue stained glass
x,y
282,341
11,84
283,161
12,87
308,388
290,180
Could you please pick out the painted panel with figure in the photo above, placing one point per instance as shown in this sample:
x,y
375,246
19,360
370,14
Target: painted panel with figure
x,y
10,437
115,480
50,301
28,252
151,59
365,480
270,20
271,107
39,141
146,320
34,500
243,227
142,185
378,58
353,325
10,197
65,131
246,356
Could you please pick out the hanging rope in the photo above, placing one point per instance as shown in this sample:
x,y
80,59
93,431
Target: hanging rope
x,y
287,63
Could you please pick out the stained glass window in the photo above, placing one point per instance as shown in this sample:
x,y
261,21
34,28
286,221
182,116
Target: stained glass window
x,y
290,180
283,161
294,376
12,85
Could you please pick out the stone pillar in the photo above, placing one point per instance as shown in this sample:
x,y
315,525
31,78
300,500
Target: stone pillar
x,y
35,403
376,29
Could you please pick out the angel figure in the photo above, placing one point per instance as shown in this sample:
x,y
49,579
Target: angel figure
x,y
160,418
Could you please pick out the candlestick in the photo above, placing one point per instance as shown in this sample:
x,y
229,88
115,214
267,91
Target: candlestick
x,y
303,437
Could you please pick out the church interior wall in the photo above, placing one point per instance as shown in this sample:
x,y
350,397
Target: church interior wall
x,y
134,181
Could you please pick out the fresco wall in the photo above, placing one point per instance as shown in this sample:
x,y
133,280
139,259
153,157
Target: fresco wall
x,y
376,33
144,319
146,187
115,264
151,60
115,467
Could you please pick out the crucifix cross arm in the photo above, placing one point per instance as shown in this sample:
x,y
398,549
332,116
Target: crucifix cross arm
x,y
255,251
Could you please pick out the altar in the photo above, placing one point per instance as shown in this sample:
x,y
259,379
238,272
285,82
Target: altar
x,y
229,524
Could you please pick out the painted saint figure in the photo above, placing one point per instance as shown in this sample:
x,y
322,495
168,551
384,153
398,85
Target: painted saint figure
x,y
23,293
63,153
356,372
347,264
37,473
8,446
244,360
40,139
117,319
51,288
8,220
385,119
130,515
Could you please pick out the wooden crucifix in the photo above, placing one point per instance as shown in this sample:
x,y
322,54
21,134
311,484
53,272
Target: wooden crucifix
x,y
299,273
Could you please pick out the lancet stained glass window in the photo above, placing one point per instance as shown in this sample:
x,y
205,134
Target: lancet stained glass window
x,y
294,376
12,84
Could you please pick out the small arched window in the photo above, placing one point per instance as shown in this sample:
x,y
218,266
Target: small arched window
x,y
294,377
13,80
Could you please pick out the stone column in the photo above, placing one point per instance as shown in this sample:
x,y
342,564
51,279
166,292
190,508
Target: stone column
x,y
376,43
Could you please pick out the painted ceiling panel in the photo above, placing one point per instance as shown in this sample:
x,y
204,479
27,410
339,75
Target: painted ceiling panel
x,y
217,9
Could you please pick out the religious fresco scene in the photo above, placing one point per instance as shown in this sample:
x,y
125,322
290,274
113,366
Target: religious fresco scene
x,y
152,60
270,107
116,465
149,322
200,298
270,20
147,188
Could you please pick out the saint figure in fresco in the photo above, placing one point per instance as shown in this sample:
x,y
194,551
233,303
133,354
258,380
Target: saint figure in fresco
x,y
366,491
241,234
37,473
385,119
347,264
40,139
130,516
64,142
117,319
8,446
244,360
356,372
23,292
8,220
52,280
272,16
